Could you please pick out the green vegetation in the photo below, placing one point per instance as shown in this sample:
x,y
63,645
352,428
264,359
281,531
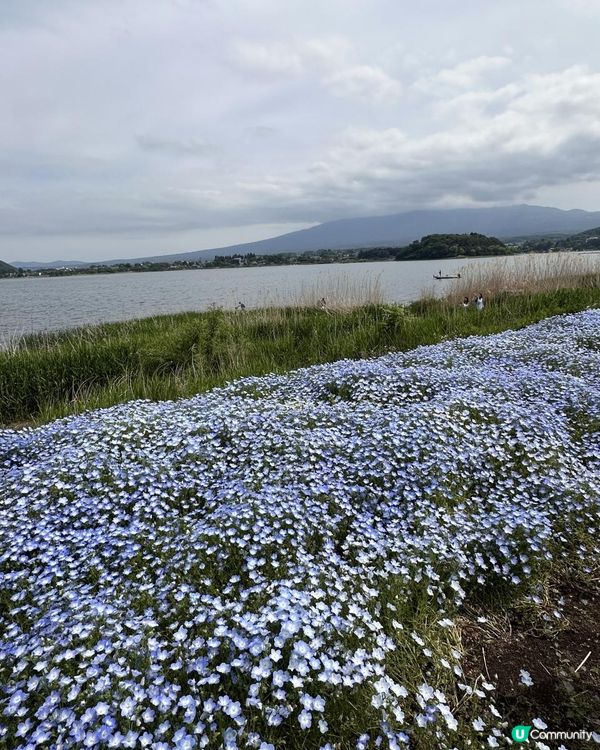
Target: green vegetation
x,y
47,376
219,261
6,269
588,240
435,246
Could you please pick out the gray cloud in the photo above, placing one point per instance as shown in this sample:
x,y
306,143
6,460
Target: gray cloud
x,y
171,147
324,59
138,122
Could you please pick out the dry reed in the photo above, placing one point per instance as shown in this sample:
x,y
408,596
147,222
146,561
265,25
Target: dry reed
x,y
530,274
340,293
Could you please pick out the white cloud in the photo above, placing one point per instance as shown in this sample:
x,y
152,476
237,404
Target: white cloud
x,y
586,6
544,130
171,147
275,58
464,75
363,81
327,59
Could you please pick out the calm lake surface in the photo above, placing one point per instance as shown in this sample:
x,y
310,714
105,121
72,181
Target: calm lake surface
x,y
48,304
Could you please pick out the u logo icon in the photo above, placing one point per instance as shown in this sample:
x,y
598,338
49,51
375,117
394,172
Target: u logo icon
x,y
520,733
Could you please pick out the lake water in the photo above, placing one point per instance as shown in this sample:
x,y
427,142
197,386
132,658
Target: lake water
x,y
44,303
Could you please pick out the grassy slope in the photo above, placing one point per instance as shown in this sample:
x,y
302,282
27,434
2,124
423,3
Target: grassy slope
x,y
168,357
500,630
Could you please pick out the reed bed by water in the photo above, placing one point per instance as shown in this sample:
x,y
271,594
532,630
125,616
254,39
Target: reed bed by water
x,y
166,357
339,293
546,274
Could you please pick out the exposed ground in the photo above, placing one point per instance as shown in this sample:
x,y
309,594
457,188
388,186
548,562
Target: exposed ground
x,y
557,642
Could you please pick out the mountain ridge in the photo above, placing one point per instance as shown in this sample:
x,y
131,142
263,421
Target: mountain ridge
x,y
6,268
395,230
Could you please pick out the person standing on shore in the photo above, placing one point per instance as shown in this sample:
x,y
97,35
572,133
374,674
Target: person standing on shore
x,y
479,303
465,302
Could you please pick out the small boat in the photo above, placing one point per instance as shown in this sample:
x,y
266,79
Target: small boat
x,y
439,276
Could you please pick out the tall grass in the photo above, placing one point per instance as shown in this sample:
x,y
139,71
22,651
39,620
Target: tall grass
x,y
339,293
50,375
533,274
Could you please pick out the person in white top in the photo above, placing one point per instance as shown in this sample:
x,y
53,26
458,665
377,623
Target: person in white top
x,y
479,303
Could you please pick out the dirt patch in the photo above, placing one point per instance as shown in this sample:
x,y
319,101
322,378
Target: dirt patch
x,y
561,655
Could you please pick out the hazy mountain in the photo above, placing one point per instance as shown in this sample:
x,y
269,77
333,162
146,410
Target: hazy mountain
x,y
6,268
398,230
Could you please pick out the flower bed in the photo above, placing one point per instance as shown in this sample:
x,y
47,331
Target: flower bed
x,y
279,563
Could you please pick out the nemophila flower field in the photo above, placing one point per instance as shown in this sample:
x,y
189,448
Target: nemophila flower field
x,y
280,563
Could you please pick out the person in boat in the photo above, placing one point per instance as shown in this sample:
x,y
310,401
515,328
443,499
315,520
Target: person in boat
x,y
479,302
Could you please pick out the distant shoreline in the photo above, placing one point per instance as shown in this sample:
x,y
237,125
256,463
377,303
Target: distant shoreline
x,y
209,266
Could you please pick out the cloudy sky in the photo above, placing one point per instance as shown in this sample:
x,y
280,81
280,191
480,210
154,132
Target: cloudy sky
x,y
135,127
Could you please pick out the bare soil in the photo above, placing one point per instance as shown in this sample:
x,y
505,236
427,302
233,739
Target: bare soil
x,y
562,655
